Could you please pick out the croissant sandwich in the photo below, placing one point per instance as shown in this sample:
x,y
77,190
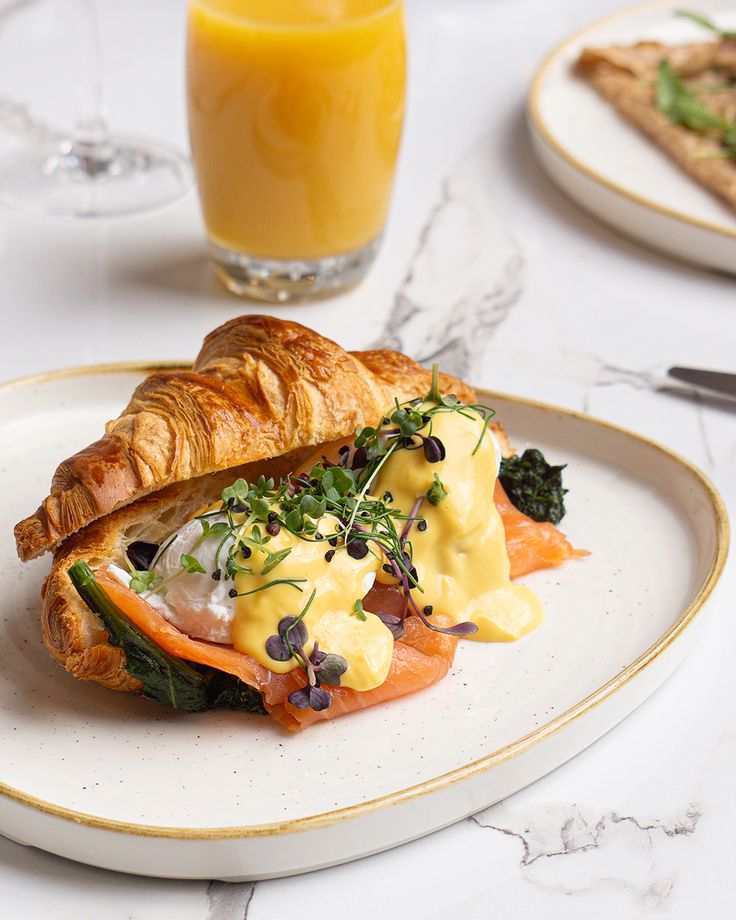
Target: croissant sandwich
x,y
288,528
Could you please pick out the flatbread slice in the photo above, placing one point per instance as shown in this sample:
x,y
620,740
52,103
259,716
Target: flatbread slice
x,y
626,77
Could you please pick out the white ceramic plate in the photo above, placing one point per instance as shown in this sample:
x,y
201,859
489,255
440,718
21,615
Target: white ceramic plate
x,y
606,165
119,782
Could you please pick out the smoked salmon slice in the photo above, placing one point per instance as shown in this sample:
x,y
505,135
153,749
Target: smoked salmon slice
x,y
421,658
531,545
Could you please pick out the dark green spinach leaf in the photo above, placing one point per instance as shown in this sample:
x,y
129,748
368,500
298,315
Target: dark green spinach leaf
x,y
165,678
534,486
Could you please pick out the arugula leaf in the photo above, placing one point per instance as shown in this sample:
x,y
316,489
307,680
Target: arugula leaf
x,y
682,107
705,23
165,678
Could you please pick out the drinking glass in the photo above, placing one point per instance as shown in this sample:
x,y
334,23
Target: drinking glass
x,y
91,172
295,117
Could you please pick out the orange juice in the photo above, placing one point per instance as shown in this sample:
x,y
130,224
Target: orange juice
x,y
295,114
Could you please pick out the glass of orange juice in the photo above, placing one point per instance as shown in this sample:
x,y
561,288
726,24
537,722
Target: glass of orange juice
x,y
295,115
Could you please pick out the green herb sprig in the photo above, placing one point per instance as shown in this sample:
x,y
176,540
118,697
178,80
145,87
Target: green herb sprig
x,y
705,23
682,107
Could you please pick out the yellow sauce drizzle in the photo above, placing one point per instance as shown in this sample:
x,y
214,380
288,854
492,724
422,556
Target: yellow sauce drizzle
x,y
461,557
366,645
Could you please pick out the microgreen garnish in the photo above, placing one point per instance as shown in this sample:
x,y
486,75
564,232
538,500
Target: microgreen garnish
x,y
683,107
319,667
358,610
434,394
330,502
291,582
142,581
141,554
148,582
436,492
393,623
274,559
190,565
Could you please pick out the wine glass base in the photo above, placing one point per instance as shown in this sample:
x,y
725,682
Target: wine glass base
x,y
123,176
291,280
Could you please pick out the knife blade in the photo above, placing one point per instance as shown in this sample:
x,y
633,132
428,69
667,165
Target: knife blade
x,y
720,382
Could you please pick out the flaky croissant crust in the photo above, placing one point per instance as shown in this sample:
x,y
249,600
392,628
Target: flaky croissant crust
x,y
260,388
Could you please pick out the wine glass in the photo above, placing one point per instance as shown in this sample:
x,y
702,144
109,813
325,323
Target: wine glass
x,y
92,172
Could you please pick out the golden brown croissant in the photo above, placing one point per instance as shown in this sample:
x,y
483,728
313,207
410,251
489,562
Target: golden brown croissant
x,y
260,388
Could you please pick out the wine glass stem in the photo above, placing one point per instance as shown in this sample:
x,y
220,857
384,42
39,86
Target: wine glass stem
x,y
89,152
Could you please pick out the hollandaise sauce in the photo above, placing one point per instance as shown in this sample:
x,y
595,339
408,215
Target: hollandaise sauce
x,y
459,547
338,581
280,571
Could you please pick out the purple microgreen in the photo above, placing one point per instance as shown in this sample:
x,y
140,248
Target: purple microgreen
x,y
331,670
319,698
459,629
277,649
298,633
394,624
412,517
434,449
360,458
315,697
300,698
292,629
141,554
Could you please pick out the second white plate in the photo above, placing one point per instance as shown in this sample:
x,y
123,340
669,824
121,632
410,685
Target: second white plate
x,y
606,165
119,782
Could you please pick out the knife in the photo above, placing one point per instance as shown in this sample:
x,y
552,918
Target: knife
x,y
719,382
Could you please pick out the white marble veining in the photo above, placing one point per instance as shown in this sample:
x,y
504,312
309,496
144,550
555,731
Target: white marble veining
x,y
487,266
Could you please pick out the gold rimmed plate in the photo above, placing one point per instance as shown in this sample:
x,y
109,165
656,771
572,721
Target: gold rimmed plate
x,y
606,165
118,782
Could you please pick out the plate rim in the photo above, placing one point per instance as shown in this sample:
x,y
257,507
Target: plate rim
x,y
466,771
545,132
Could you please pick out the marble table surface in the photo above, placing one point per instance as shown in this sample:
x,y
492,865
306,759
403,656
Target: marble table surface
x,y
488,267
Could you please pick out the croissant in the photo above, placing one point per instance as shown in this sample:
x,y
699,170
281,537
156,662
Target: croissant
x,y
262,394
260,388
